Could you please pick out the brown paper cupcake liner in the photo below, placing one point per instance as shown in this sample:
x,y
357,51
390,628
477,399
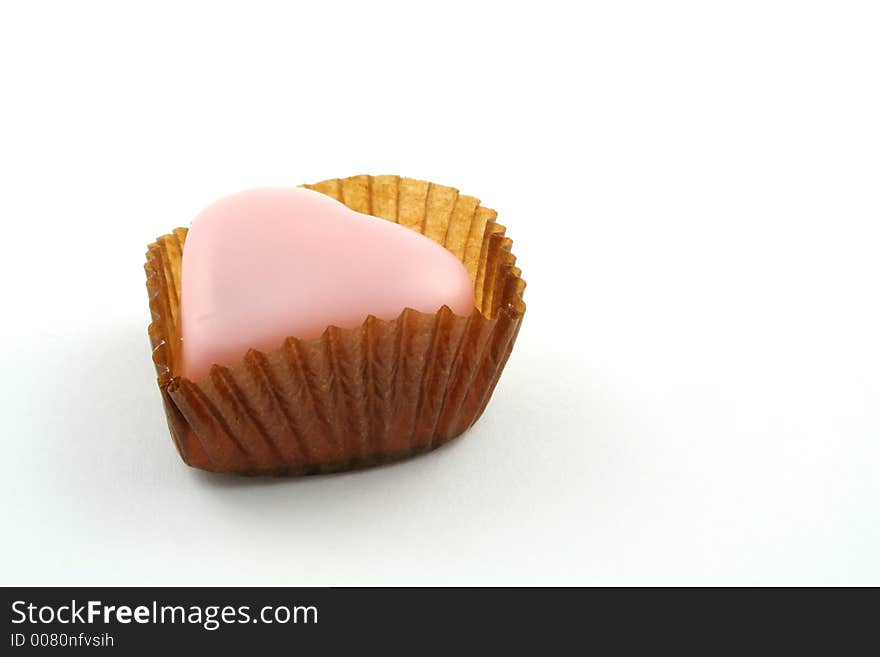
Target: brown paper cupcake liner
x,y
353,397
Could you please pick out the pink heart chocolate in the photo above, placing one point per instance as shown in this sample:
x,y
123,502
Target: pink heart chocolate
x,y
266,264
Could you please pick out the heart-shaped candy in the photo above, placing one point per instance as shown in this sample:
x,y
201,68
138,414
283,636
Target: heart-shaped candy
x,y
266,264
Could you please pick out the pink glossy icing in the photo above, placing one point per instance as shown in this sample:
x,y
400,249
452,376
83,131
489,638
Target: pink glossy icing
x,y
265,264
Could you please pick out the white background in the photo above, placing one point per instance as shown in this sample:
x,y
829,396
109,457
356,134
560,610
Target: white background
x,y
692,189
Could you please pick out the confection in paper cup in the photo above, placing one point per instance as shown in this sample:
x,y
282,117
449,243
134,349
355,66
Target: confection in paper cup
x,y
352,397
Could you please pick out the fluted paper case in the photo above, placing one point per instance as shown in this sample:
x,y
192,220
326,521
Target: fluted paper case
x,y
353,397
